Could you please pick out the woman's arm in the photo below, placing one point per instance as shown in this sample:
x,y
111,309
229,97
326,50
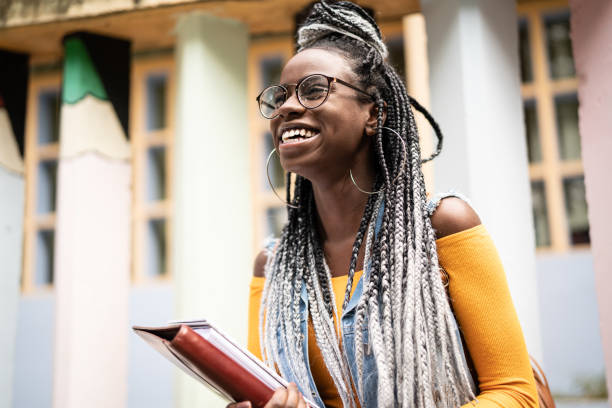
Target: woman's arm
x,y
255,292
483,307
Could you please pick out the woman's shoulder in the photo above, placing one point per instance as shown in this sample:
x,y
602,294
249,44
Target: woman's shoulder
x,y
450,214
260,264
261,259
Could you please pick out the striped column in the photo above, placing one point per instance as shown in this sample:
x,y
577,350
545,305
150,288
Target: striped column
x,y
212,224
13,88
92,253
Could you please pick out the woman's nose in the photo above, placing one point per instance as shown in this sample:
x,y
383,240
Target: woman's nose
x,y
292,106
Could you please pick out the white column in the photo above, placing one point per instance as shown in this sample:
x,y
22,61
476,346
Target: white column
x,y
12,202
591,33
212,224
475,94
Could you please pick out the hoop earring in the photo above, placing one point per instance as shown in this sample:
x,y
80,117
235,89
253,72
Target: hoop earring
x,y
401,171
270,181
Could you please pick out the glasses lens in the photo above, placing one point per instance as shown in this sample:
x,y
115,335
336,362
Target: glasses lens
x,y
270,100
313,90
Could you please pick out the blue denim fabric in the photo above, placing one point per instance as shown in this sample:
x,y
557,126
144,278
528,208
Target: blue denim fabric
x,y
347,329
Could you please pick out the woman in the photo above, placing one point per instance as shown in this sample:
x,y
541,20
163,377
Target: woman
x,y
354,311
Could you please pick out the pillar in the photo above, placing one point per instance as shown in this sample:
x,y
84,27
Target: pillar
x,y
591,24
417,85
13,90
475,97
212,226
92,253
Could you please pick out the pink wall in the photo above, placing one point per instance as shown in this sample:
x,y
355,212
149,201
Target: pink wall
x,y
591,23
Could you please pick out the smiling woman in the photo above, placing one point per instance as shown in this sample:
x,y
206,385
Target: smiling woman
x,y
349,304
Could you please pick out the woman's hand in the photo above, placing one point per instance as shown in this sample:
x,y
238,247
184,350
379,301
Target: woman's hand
x,y
289,397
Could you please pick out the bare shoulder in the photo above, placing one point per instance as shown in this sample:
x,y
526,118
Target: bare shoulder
x,y
260,264
453,215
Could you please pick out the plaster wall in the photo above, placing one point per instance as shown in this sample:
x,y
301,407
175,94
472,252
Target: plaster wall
x,y
33,358
591,25
150,376
12,198
572,348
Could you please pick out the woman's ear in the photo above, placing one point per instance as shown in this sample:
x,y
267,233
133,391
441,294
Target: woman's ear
x,y
372,121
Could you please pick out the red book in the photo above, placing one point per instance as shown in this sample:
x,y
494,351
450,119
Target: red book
x,y
203,352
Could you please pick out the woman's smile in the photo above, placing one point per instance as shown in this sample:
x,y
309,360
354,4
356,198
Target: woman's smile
x,y
297,135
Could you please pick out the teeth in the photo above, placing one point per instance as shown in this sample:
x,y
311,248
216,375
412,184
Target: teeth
x,y
297,135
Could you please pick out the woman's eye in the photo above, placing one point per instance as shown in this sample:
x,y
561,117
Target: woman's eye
x,y
314,92
279,100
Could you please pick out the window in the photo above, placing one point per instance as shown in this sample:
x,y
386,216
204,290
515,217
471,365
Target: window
x,y
551,123
41,160
152,142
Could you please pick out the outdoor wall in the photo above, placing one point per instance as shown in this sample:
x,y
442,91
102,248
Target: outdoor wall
x,y
572,350
151,378
11,237
33,376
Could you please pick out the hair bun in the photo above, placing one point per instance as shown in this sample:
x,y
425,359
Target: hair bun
x,y
344,18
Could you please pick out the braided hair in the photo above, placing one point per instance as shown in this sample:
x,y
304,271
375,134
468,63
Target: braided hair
x,y
404,303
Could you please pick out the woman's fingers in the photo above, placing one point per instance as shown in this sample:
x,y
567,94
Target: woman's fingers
x,y
302,403
241,404
289,397
278,399
293,396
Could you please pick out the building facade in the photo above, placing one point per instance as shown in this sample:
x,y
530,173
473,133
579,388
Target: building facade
x,y
134,186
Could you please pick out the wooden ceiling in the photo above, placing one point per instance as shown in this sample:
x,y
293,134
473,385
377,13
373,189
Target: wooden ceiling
x,y
152,27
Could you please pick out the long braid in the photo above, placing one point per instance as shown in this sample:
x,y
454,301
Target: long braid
x,y
403,303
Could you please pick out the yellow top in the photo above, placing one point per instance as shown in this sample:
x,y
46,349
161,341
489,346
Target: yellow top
x,y
484,311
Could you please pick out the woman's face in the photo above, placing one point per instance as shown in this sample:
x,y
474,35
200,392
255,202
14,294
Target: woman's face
x,y
334,132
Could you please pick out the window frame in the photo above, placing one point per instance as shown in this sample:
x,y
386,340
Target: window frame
x,y
543,90
34,155
141,140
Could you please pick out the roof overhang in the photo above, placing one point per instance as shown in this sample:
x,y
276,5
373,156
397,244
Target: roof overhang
x,y
149,24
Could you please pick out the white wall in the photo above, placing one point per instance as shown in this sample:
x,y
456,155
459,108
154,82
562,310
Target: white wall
x,y
150,375
33,358
12,197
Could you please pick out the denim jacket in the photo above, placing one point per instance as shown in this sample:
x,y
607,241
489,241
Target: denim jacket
x,y
347,330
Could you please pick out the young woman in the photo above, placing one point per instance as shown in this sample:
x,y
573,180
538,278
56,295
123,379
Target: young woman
x,y
360,300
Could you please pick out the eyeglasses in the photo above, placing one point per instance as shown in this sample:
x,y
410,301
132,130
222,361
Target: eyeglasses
x,y
312,91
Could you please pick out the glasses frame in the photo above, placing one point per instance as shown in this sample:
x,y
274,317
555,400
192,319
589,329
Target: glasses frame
x,y
330,81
